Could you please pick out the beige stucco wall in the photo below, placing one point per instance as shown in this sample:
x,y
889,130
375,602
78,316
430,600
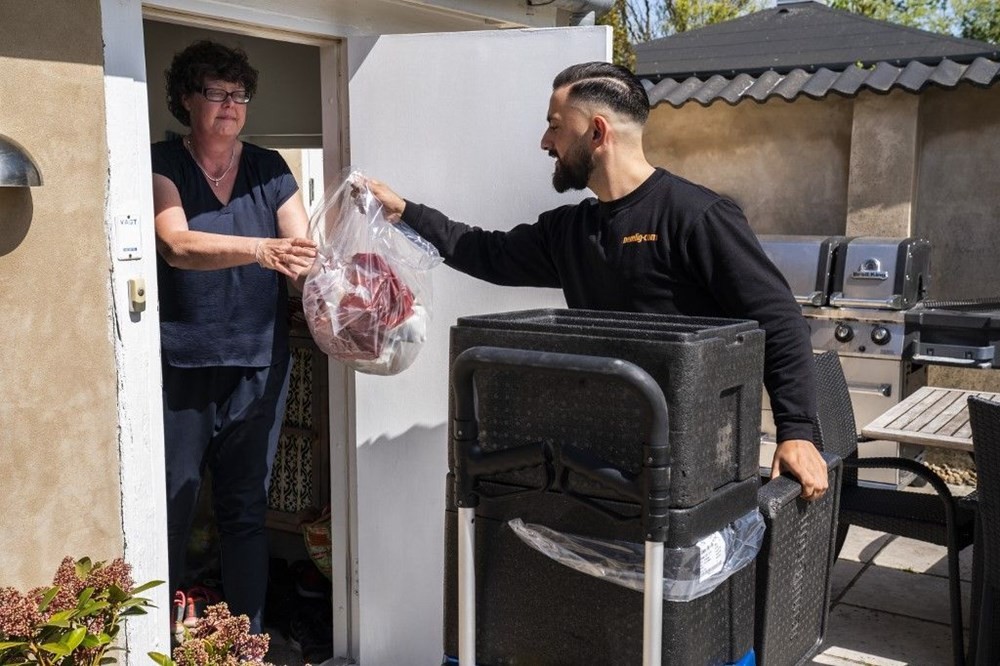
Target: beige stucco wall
x,y
786,164
958,189
59,481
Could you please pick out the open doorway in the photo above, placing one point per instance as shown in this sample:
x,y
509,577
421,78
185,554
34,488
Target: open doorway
x,y
286,115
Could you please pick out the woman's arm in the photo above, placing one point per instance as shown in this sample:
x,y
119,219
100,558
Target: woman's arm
x,y
293,224
201,251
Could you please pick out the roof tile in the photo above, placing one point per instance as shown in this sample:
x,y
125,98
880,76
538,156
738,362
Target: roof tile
x,y
882,78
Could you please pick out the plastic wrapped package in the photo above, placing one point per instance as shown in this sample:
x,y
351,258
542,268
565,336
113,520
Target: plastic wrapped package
x,y
367,297
688,573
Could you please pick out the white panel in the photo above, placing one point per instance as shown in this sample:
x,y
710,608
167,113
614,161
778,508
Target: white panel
x,y
454,121
137,341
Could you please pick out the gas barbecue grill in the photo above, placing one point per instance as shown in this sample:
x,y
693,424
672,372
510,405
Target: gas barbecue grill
x,y
855,294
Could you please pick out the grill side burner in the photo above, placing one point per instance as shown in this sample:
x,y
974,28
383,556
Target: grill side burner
x,y
962,333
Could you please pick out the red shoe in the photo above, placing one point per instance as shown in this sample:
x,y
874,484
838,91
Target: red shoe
x,y
177,624
198,599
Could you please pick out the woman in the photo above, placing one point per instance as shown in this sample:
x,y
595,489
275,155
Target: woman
x,y
229,230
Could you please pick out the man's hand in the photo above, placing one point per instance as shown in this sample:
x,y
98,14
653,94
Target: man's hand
x,y
800,458
392,204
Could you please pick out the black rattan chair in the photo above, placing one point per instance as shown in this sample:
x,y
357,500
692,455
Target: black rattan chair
x,y
984,638
933,519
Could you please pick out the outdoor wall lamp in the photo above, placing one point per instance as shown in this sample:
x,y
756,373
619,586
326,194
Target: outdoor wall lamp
x,y
17,169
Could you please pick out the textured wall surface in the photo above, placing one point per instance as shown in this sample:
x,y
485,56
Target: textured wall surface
x,y
59,481
883,165
958,190
786,164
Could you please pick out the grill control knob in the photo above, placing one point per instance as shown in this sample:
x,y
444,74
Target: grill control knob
x,y
881,335
843,333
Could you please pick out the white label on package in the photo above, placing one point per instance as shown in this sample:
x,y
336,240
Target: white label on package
x,y
713,555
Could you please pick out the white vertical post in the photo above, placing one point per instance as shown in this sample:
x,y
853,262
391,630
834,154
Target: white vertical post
x,y
652,611
467,587
137,334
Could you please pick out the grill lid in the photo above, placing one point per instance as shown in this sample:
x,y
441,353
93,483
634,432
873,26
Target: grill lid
x,y
874,272
807,263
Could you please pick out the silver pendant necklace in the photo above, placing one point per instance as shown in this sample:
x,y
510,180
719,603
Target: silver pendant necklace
x,y
215,181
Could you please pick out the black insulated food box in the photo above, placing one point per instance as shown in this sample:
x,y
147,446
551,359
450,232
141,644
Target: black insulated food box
x,y
709,369
533,610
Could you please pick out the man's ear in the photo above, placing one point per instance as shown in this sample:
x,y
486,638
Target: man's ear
x,y
600,130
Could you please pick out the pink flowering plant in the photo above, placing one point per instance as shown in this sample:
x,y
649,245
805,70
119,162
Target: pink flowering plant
x,y
218,639
74,621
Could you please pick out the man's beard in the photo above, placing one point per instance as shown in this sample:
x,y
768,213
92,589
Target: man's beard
x,y
573,171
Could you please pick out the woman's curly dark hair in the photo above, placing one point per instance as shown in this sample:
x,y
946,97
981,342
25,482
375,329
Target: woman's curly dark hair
x,y
206,60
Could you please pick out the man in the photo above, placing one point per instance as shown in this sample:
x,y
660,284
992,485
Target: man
x,y
651,242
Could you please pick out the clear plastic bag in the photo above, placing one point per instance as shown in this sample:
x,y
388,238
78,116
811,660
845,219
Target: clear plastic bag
x,y
688,573
367,298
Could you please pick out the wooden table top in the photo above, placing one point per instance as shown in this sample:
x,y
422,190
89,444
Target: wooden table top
x,y
930,416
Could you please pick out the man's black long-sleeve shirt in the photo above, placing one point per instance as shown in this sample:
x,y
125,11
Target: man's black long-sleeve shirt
x,y
670,247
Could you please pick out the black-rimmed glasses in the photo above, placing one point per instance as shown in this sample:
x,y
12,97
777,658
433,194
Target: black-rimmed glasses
x,y
220,95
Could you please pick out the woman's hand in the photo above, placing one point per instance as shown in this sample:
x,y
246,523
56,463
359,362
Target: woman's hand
x,y
288,256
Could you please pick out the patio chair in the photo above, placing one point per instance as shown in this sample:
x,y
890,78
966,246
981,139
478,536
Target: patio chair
x,y
984,640
933,519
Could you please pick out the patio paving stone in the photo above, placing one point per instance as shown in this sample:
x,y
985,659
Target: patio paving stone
x,y
844,573
865,636
922,557
863,544
904,593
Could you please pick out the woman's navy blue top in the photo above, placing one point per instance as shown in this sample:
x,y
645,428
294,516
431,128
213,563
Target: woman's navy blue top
x,y
232,316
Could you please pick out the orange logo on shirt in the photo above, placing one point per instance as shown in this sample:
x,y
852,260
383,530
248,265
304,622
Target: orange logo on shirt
x,y
640,238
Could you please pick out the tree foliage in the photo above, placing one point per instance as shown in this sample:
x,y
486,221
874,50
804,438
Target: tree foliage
x,y
973,19
637,21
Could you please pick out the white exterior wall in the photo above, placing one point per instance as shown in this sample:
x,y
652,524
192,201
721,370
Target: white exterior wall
x,y
454,121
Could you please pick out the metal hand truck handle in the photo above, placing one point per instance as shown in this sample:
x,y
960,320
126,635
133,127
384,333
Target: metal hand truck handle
x,y
652,486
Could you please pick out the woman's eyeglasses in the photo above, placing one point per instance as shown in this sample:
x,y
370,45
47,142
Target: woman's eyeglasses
x,y
220,95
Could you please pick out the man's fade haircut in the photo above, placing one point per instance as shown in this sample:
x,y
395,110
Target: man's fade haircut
x,y
607,84
202,60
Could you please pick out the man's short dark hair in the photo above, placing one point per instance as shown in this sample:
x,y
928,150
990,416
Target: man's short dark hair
x,y
206,60
607,84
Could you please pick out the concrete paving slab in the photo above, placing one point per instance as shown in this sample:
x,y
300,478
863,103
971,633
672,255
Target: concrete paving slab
x,y
864,636
922,557
904,593
844,573
863,544
964,565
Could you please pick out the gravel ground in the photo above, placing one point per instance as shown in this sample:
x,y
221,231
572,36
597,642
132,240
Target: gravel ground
x,y
955,467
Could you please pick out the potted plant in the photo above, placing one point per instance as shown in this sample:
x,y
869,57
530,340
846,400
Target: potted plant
x,y
217,639
73,621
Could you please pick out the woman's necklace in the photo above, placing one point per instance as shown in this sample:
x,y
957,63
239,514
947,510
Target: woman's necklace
x,y
215,181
